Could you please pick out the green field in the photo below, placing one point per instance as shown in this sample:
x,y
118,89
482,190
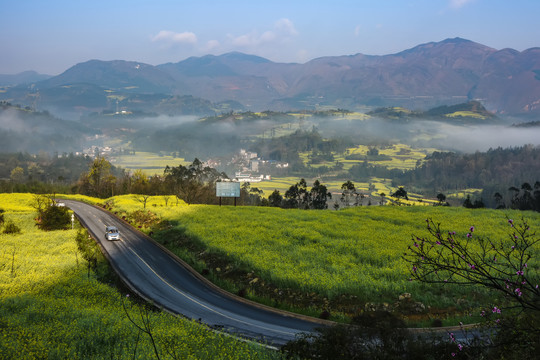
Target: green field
x,y
399,156
53,307
149,163
354,253
282,184
341,261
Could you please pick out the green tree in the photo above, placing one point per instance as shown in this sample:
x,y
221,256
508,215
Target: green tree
x,y
194,183
17,175
319,196
382,195
55,218
297,196
348,190
399,194
139,182
250,195
476,204
99,180
442,200
275,199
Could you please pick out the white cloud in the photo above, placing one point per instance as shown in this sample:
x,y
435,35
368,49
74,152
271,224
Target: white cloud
x,y
457,4
283,30
357,30
174,37
286,27
245,40
211,45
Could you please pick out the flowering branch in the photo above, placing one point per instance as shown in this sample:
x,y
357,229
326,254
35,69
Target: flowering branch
x,y
445,257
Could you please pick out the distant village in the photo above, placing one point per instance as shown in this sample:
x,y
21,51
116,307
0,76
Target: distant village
x,y
246,163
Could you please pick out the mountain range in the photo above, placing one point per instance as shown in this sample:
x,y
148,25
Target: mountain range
x,y
437,73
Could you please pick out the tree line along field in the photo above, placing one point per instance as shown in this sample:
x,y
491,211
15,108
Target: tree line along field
x,y
397,156
53,307
339,261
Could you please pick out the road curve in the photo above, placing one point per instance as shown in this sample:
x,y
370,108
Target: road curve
x,y
158,276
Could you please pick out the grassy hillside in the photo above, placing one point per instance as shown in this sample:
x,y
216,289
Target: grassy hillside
x,y
53,307
340,261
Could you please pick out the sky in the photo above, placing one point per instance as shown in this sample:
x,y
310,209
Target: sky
x,y
50,36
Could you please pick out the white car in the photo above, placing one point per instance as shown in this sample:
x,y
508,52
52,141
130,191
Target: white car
x,y
112,233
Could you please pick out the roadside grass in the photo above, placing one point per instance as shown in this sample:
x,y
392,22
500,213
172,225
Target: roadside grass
x,y
52,305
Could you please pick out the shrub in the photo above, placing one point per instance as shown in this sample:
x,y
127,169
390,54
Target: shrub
x,y
11,228
54,218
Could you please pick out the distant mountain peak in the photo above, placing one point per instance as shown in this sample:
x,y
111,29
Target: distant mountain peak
x,y
446,72
236,55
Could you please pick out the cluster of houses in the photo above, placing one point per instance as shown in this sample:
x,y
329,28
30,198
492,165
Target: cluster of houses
x,y
248,164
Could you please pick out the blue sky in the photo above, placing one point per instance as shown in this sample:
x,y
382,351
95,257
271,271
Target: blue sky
x,y
49,36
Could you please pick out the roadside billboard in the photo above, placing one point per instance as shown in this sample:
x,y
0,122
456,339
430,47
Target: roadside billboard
x,y
227,189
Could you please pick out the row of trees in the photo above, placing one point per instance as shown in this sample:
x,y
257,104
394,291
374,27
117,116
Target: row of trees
x,y
194,184
298,196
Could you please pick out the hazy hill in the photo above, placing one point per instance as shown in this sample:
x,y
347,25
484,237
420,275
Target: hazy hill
x,y
472,112
438,73
25,77
25,130
121,75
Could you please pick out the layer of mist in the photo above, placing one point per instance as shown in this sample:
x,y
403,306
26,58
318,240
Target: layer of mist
x,y
431,134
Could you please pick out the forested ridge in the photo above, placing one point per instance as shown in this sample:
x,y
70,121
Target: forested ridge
x,y
494,171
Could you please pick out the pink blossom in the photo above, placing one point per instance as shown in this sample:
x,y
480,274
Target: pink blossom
x,y
471,229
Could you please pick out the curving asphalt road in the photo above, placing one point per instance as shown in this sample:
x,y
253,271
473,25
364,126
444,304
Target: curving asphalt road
x,y
158,276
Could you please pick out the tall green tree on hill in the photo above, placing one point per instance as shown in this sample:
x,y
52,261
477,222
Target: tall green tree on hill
x,y
348,190
194,183
99,180
298,196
